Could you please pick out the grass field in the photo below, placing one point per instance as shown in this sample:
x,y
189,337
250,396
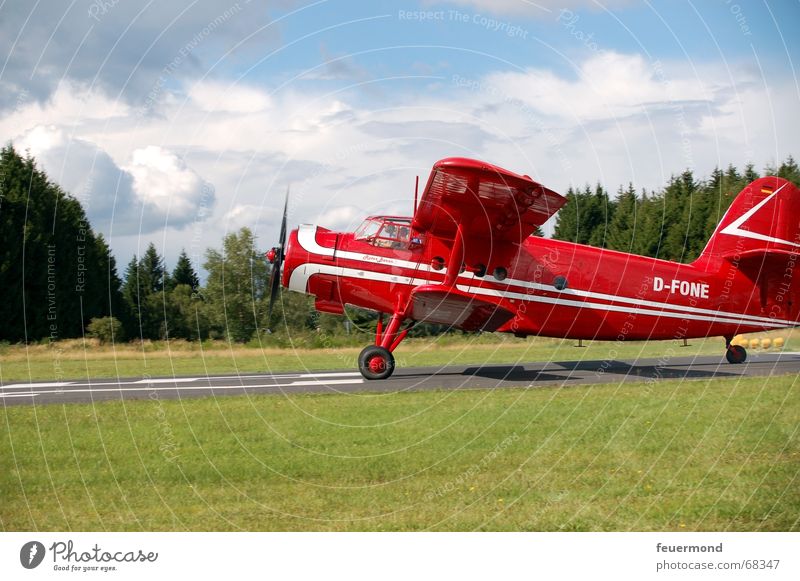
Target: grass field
x,y
691,455
76,359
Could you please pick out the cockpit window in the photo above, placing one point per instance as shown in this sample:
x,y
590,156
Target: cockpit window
x,y
368,229
385,232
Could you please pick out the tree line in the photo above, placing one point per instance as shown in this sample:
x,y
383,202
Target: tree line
x,y
673,224
60,279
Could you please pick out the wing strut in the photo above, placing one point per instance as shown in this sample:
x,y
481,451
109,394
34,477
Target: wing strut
x,y
456,258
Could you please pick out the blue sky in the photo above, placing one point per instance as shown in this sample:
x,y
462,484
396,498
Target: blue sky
x,y
178,122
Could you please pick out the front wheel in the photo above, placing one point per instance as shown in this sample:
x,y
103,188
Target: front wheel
x,y
376,362
736,354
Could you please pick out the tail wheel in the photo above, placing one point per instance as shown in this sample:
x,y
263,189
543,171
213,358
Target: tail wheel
x,y
376,362
736,354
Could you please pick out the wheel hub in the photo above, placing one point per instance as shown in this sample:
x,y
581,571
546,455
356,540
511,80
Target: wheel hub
x,y
377,364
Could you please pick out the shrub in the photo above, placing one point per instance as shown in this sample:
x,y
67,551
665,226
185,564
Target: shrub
x,y
105,329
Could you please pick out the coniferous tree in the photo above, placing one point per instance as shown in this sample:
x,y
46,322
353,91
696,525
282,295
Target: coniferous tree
x,y
789,170
152,273
567,218
143,291
601,212
112,284
750,174
133,295
622,229
184,273
53,267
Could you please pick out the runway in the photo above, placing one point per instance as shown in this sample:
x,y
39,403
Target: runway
x,y
549,374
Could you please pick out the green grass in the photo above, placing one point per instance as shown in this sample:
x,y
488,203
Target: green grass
x,y
690,455
76,359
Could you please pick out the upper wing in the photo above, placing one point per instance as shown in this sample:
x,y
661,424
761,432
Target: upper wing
x,y
488,201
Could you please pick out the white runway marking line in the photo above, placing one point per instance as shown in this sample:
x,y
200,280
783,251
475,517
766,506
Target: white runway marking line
x,y
265,376
18,394
166,380
192,387
36,385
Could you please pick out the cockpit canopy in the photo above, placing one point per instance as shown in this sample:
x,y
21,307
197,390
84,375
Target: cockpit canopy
x,y
385,231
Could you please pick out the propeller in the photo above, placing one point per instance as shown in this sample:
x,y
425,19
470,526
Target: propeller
x,y
275,256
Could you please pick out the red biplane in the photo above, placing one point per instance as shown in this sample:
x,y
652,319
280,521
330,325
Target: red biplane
x,y
467,259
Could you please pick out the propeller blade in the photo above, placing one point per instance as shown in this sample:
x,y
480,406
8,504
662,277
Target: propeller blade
x,y
282,240
275,277
274,288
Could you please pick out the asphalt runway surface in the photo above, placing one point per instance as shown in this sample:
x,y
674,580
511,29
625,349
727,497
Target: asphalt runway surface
x,y
542,375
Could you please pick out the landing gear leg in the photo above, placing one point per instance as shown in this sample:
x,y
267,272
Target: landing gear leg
x,y
734,353
376,361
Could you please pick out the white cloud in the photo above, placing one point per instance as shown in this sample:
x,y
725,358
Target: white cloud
x,y
155,191
163,182
126,48
607,85
215,96
249,215
341,218
614,118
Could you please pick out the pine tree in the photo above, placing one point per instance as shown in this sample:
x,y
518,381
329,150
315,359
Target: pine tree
x,y
622,229
677,212
750,174
567,219
145,296
112,284
184,273
601,212
789,170
133,294
53,267
152,271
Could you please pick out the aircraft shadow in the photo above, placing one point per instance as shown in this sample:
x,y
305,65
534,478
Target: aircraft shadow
x,y
590,370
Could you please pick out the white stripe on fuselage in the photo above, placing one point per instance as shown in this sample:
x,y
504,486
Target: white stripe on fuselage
x,y
307,238
302,273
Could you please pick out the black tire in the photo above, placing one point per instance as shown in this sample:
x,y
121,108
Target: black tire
x,y
736,354
376,362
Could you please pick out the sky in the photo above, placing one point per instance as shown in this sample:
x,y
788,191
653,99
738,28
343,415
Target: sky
x,y
179,122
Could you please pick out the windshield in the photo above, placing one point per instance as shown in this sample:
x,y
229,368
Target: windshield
x,y
385,232
368,229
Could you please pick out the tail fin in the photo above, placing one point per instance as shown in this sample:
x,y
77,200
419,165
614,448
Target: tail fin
x,y
764,219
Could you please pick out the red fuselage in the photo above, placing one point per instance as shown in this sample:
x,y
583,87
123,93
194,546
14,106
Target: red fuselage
x,y
609,295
